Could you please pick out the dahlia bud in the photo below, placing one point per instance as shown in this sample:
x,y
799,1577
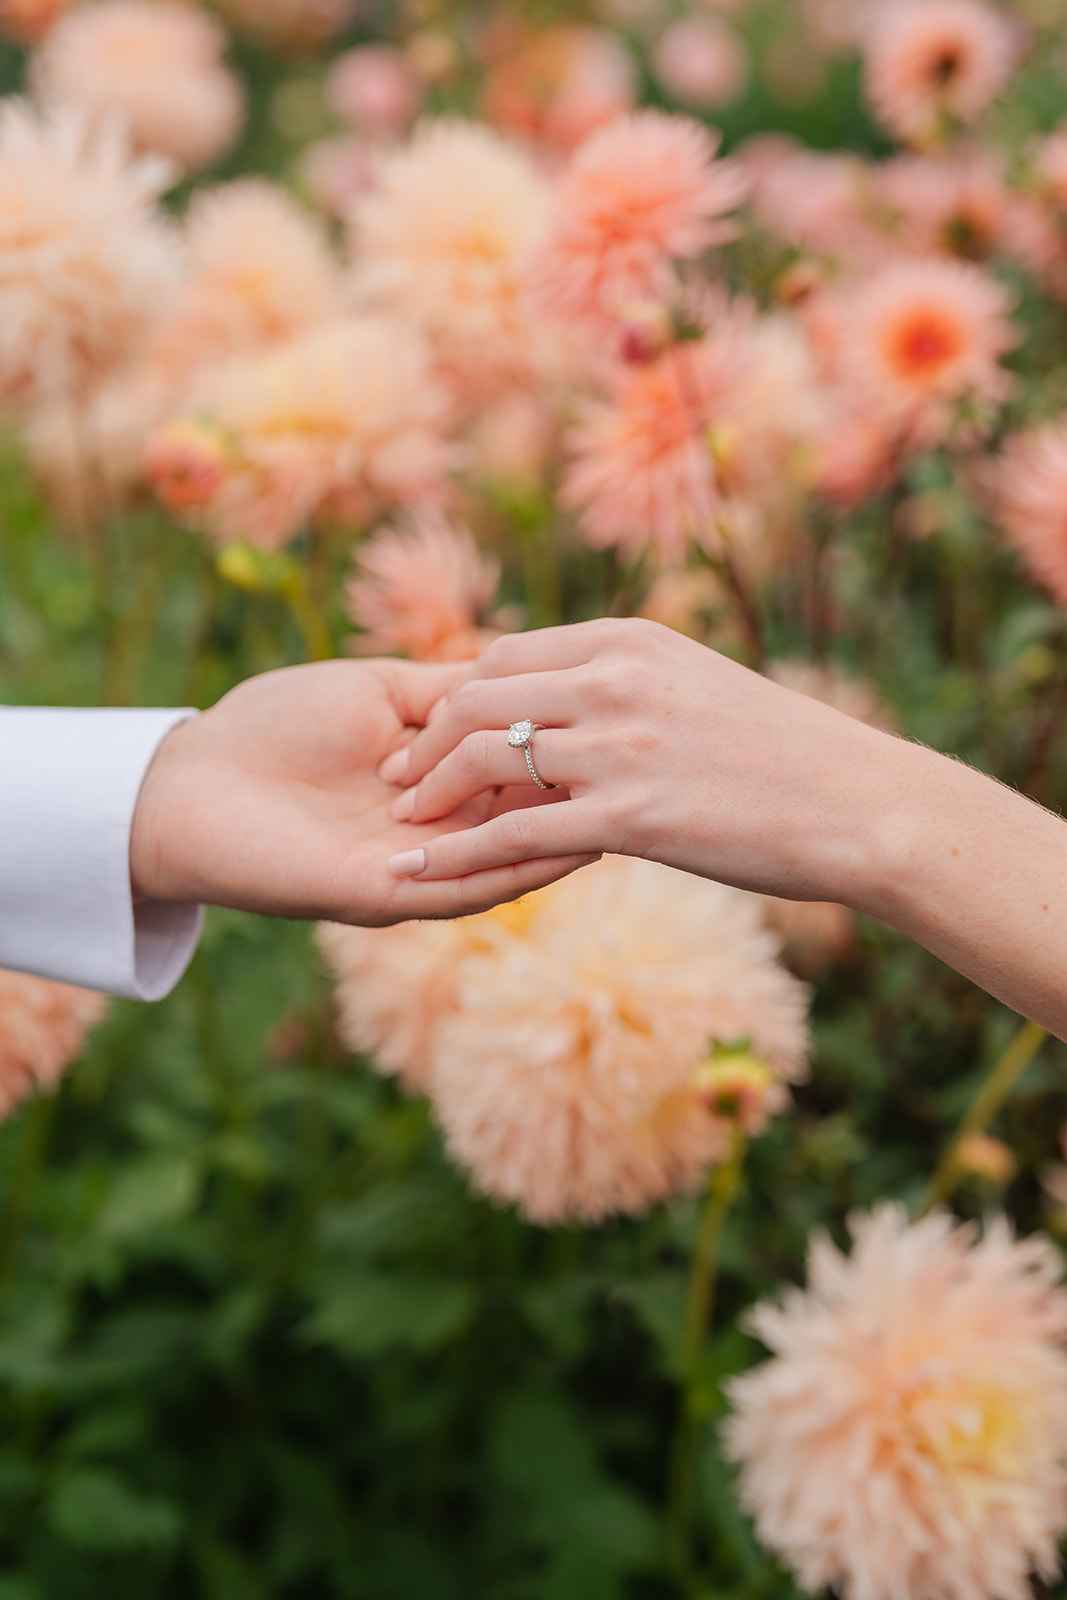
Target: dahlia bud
x,y
740,1088
988,1159
186,463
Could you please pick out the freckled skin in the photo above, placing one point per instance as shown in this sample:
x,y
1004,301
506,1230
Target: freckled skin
x,y
746,782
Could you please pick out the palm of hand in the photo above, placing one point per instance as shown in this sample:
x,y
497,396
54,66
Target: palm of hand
x,y
274,796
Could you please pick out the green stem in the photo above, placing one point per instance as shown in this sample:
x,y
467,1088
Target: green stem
x,y
541,570
700,1311
309,619
1001,1081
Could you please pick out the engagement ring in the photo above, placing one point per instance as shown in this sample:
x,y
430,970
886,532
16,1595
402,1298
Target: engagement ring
x,y
521,737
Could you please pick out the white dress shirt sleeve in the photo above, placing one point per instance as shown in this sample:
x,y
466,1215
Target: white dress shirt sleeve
x,y
69,782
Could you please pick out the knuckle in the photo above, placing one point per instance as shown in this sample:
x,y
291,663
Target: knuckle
x,y
475,754
519,830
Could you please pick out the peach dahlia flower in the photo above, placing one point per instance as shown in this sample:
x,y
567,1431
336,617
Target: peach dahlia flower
x,y
920,345
561,1039
289,24
86,265
1030,502
421,589
443,239
642,192
934,63
42,1030
155,63
343,419
908,1438
556,87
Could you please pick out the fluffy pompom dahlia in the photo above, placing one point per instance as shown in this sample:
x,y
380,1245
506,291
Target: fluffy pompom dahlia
x,y
642,192
561,1039
42,1030
909,1435
86,265
155,63
345,418
934,63
422,589
1030,501
444,237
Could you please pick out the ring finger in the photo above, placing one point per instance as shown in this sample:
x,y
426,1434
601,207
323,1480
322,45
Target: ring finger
x,y
484,760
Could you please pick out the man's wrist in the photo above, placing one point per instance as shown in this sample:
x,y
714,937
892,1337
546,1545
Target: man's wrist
x,y
155,832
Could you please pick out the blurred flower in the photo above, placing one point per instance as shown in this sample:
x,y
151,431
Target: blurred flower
x,y
815,200
187,464
701,61
815,934
642,191
920,344
157,64
640,470
561,1038
737,1087
931,64
338,171
342,420
985,1158
85,263
512,439
290,24
956,205
557,87
29,20
260,271
374,89
854,697
909,1435
42,1030
1029,485
443,239
421,589
682,598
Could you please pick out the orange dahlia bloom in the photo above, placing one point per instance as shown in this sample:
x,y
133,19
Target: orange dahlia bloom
x,y
421,589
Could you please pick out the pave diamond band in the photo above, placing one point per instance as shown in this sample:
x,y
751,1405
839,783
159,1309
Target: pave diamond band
x,y
521,737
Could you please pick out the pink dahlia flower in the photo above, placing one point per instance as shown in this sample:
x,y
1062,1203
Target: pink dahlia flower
x,y
29,20
643,192
561,1039
1030,500
86,264
932,64
701,62
156,64
374,89
909,1434
958,205
556,87
42,1030
920,345
422,590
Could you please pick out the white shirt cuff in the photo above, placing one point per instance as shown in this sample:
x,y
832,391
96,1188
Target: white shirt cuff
x,y
69,782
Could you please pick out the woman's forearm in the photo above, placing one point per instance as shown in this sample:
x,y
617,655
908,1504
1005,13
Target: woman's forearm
x,y
974,872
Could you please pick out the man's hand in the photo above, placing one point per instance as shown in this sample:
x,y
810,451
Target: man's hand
x,y
270,802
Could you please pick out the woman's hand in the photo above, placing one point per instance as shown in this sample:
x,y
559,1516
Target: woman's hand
x,y
270,802
660,748
664,749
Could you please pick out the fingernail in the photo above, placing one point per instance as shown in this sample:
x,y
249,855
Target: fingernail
x,y
436,709
394,767
408,864
403,807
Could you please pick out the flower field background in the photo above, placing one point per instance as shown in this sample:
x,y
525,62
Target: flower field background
x,y
384,1264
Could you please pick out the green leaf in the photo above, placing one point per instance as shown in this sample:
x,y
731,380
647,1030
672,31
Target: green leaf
x,y
368,1315
98,1510
156,1191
